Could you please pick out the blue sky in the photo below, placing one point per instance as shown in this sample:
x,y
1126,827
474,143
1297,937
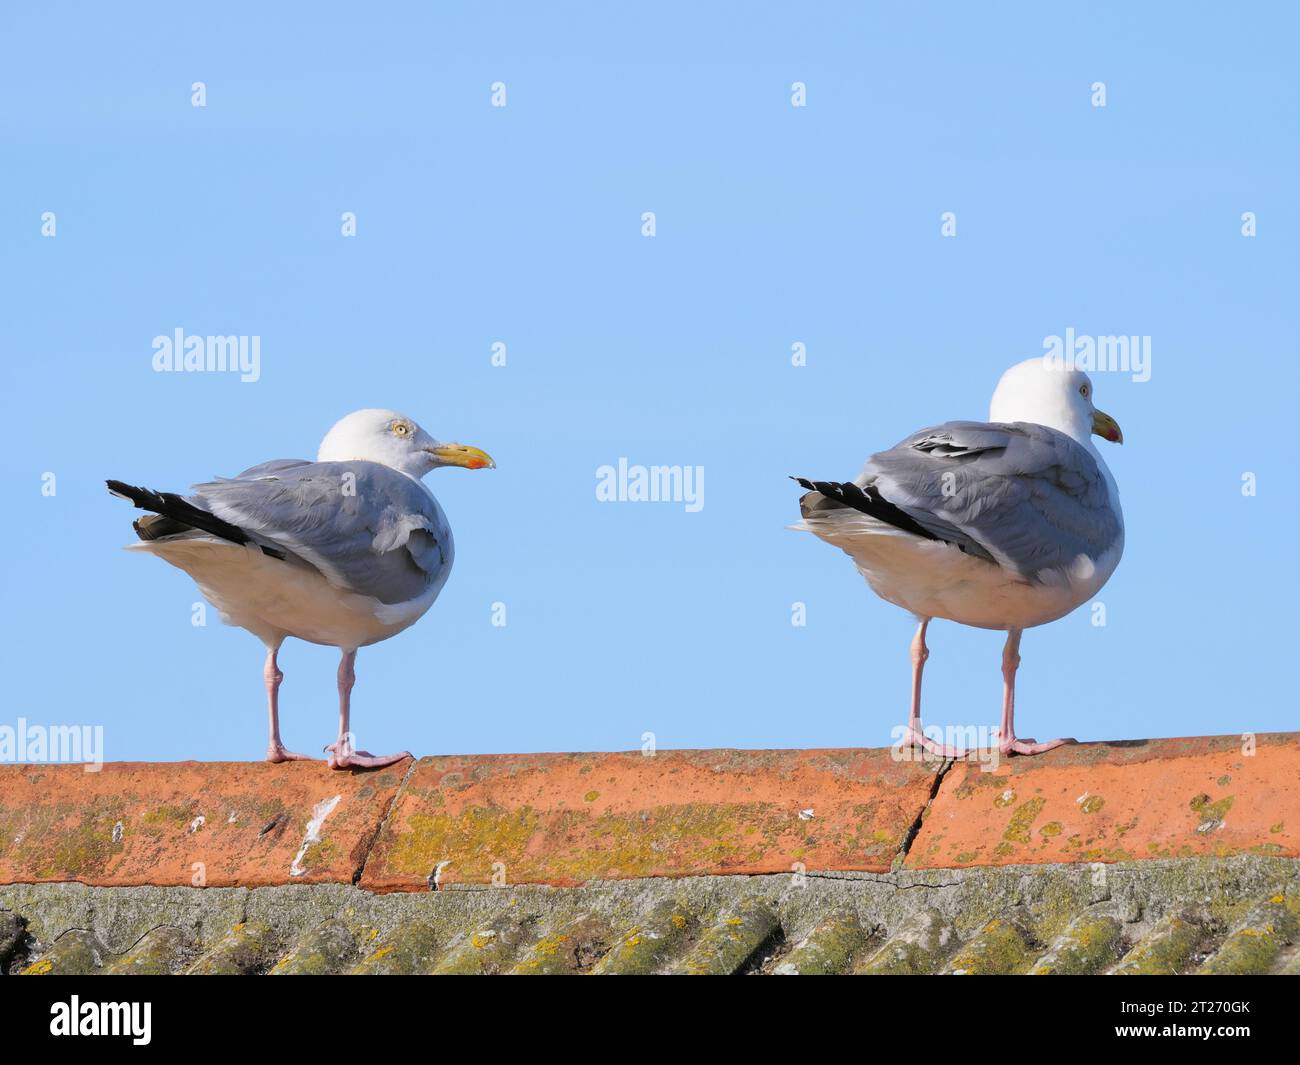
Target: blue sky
x,y
522,225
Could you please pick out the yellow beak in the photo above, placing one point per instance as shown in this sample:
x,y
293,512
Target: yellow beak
x,y
1106,427
471,458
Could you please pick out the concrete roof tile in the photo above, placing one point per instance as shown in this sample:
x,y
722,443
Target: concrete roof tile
x,y
212,824
567,818
1106,802
1234,915
1161,856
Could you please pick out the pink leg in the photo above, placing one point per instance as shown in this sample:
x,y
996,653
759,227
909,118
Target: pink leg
x,y
1007,742
342,754
914,736
275,750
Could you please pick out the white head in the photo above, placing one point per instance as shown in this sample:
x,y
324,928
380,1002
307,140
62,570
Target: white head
x,y
386,437
1047,392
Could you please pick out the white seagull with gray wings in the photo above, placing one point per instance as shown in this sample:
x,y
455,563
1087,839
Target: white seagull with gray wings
x,y
1004,524
344,551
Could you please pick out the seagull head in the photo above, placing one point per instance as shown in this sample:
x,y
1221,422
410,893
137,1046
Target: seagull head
x,y
1049,392
394,440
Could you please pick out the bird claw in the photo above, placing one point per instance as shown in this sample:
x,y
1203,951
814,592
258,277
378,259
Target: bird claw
x,y
341,757
276,753
1029,746
914,738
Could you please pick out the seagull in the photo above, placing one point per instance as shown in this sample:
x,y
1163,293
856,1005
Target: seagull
x,y
1004,524
344,551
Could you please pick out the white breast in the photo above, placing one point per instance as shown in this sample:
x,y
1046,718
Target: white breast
x,y
272,598
934,579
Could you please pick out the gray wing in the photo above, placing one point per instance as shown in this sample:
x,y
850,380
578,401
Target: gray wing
x,y
365,527
268,469
1022,495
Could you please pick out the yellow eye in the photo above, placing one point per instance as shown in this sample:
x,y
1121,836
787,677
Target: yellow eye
x,y
401,428
1083,391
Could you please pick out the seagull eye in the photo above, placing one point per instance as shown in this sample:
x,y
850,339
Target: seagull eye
x,y
1083,391
401,428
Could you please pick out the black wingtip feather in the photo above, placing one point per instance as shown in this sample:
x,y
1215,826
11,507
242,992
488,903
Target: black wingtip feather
x,y
184,513
867,500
